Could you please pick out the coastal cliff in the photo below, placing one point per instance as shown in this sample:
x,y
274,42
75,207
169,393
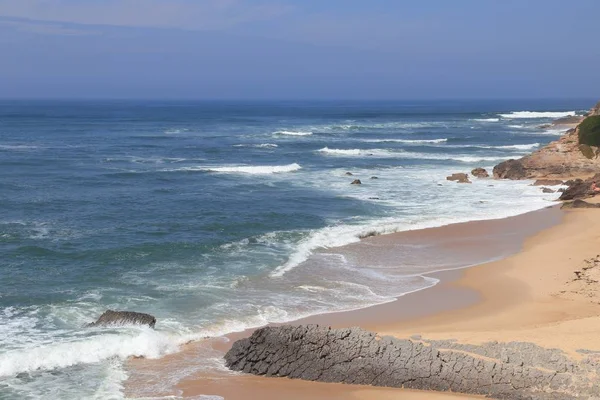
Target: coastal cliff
x,y
564,158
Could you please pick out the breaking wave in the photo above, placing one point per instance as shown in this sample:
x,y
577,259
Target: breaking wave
x,y
406,154
258,146
407,141
253,170
487,119
535,114
146,343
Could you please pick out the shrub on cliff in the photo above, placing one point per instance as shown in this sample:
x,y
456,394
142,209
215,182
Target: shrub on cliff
x,y
589,131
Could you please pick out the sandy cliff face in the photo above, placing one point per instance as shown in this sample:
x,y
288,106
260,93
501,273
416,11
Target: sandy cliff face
x,y
563,158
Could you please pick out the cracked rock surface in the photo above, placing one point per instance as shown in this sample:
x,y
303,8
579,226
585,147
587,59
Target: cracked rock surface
x,y
514,370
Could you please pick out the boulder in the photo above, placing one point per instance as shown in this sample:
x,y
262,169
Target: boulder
x,y
510,169
515,370
578,189
548,190
579,204
459,178
349,173
480,173
374,177
119,318
356,182
547,182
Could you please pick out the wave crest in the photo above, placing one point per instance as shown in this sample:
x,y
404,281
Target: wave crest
x,y
294,133
254,169
536,114
407,141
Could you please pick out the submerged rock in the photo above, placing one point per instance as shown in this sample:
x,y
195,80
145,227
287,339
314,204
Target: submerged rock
x,y
548,190
459,178
579,204
480,173
111,318
356,182
513,370
349,173
374,177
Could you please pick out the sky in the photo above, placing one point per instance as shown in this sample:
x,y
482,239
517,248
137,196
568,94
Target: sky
x,y
299,49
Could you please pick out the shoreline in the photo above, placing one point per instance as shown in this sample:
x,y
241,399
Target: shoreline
x,y
534,295
427,300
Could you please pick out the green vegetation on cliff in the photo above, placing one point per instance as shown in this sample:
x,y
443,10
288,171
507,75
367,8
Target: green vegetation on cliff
x,y
589,131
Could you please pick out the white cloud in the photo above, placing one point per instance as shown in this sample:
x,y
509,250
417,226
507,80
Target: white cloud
x,y
184,14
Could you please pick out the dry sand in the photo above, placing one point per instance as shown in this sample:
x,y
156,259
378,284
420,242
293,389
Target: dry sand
x,y
546,294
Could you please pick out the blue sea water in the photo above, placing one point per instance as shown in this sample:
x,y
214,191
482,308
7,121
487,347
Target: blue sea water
x,y
219,216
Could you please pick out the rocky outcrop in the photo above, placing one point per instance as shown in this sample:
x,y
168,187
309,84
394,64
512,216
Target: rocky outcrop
x,y
510,169
118,318
356,182
579,188
459,178
561,158
480,173
579,204
499,370
547,182
569,120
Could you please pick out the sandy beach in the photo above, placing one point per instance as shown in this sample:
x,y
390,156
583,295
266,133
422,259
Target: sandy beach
x,y
545,293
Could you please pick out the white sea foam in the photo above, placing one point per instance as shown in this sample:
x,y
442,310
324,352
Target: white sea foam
x,y
343,152
407,141
294,133
174,131
17,147
258,146
536,114
518,146
384,153
143,343
502,200
487,119
506,147
247,169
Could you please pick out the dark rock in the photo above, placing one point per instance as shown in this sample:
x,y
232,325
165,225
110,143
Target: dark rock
x,y
349,173
373,198
579,204
579,189
513,370
510,169
356,182
547,182
112,318
480,173
374,177
459,178
548,190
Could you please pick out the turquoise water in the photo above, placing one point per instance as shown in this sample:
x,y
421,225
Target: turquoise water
x,y
215,217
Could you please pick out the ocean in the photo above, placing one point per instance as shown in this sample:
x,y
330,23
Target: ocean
x,y
220,216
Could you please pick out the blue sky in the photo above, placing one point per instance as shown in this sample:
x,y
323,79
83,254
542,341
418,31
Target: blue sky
x,y
302,49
